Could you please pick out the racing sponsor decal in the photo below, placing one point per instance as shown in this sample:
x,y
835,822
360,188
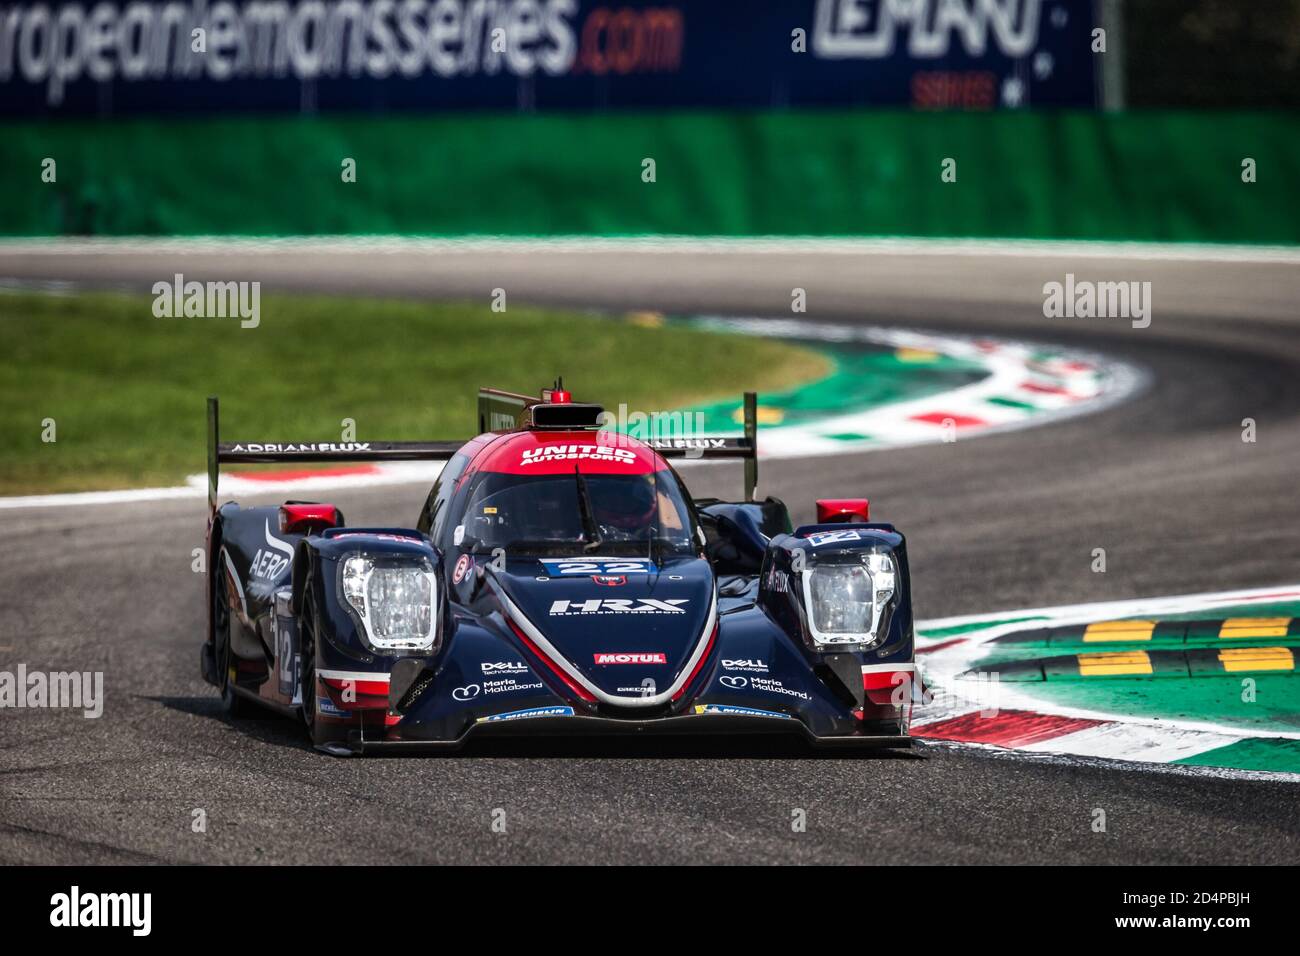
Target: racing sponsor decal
x,y
302,449
463,564
328,708
404,538
765,684
610,580
525,714
777,581
605,567
819,538
565,608
504,667
288,663
744,664
742,711
604,453
629,657
507,685
267,563
690,444
769,686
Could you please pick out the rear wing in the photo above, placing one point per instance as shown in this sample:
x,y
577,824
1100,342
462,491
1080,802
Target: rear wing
x,y
497,411
248,452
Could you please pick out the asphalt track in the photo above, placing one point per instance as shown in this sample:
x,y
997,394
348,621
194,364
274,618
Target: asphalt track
x,y
1164,483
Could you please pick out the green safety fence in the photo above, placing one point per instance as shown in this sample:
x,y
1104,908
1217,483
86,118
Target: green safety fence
x,y
1164,176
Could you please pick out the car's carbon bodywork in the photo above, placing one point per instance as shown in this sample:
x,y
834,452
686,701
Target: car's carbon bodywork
x,y
710,632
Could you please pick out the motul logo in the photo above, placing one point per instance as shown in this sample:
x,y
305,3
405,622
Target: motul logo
x,y
631,659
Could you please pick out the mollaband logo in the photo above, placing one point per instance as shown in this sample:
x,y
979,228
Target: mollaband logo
x,y
75,909
503,686
870,29
619,606
577,452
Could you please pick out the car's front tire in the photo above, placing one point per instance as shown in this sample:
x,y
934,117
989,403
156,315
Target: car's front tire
x,y
320,734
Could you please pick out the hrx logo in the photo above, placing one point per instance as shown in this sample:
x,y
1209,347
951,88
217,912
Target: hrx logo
x,y
619,606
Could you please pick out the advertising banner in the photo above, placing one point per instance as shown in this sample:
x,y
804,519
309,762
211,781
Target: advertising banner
x,y
162,57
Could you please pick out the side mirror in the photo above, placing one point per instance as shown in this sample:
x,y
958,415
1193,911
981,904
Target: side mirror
x,y
308,517
843,510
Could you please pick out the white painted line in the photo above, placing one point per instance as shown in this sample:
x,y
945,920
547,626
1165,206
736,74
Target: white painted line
x,y
124,496
1102,610
1119,736
668,245
1125,741
231,485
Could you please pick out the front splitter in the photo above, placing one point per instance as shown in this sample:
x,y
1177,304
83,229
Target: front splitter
x,y
584,726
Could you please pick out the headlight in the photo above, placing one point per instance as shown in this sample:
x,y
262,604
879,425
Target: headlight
x,y
397,603
848,603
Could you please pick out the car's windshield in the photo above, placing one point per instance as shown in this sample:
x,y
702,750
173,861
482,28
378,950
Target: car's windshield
x,y
598,514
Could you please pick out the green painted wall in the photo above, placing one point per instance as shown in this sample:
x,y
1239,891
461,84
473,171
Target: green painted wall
x,y
1144,176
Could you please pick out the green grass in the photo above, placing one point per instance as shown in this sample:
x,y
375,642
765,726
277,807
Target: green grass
x,y
126,390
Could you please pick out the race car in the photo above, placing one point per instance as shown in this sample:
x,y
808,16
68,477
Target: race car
x,y
558,580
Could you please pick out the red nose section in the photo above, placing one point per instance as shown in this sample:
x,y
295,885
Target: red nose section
x,y
305,517
847,510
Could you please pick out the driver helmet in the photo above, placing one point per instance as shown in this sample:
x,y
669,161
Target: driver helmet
x,y
625,505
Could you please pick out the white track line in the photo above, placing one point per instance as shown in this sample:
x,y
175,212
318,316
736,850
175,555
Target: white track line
x,y
669,245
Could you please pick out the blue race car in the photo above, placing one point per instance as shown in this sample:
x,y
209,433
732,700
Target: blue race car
x,y
559,580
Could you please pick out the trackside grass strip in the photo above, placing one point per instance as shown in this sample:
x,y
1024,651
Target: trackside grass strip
x,y
125,390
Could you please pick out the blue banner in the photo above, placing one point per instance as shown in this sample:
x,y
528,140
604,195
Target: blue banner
x,y
168,56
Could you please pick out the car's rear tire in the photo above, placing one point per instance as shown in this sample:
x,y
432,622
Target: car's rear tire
x,y
232,703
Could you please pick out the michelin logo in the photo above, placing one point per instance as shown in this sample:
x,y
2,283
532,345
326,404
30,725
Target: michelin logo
x,y
525,714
